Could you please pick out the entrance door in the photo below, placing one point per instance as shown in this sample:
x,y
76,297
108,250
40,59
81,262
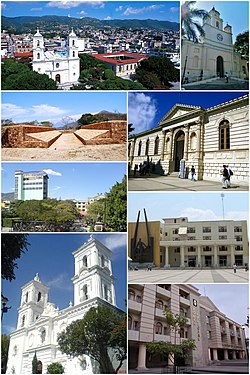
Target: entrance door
x,y
58,78
208,260
220,67
192,261
179,149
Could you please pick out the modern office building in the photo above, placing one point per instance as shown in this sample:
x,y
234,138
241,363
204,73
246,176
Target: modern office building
x,y
178,242
31,185
40,321
193,136
216,336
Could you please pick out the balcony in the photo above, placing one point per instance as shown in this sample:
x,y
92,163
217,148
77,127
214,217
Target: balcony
x,y
163,292
133,335
133,305
184,301
159,313
159,337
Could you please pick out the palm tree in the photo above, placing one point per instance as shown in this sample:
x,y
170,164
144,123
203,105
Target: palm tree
x,y
191,21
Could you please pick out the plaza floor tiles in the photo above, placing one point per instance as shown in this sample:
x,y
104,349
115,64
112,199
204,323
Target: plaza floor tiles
x,y
188,276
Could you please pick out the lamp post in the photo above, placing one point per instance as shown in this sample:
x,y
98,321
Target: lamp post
x,y
5,308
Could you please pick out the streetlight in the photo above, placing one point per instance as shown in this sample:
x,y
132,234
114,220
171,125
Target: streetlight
x,y
4,305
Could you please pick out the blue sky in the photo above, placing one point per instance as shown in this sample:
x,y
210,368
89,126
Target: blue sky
x,y
196,206
160,10
53,106
145,110
229,12
69,180
51,256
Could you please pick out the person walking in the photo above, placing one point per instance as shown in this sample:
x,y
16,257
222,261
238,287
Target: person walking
x,y
226,77
225,177
192,173
230,173
234,267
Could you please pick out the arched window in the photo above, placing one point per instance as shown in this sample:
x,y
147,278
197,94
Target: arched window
x,y
105,289
139,149
217,24
158,328
224,136
156,149
73,53
193,141
73,42
57,65
38,56
43,334
159,304
85,261
39,296
23,321
26,296
131,294
129,322
102,261
84,293
38,43
147,147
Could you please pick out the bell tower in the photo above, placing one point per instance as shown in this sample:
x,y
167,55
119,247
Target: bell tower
x,y
33,300
72,46
93,273
38,47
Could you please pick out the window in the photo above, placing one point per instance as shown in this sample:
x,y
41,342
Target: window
x,y
159,305
85,261
57,65
222,229
238,229
43,335
23,321
191,230
73,42
73,53
238,238
139,149
158,328
131,295
26,297
166,331
207,248
129,322
206,229
138,299
39,296
156,149
193,141
207,238
38,56
176,231
38,43
223,248
84,293
191,249
147,147
135,325
102,261
191,238
224,130
238,248
222,237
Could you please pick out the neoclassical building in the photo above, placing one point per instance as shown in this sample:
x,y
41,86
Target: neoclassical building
x,y
40,321
217,337
214,54
191,135
63,67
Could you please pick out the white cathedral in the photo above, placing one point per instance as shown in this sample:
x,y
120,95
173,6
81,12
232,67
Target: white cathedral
x,y
40,321
62,67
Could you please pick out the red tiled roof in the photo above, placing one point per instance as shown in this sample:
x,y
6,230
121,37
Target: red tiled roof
x,y
133,57
23,54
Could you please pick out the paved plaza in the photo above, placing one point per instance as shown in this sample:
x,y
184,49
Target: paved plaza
x,y
188,276
217,84
156,182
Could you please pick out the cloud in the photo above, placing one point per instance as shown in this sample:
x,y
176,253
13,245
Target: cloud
x,y
82,13
12,110
51,172
119,9
36,9
115,242
9,329
108,18
60,282
63,4
3,6
174,9
142,111
150,8
96,4
57,188
48,109
197,214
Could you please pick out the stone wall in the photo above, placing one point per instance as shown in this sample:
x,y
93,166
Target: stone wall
x,y
118,129
16,136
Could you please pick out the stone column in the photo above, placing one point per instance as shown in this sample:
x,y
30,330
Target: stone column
x,y
166,257
215,256
170,134
225,354
215,355
163,141
186,132
232,259
199,255
198,134
142,357
234,354
182,249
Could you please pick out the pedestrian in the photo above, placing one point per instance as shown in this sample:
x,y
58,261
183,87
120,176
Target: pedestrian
x,y
225,177
230,173
226,77
234,267
135,169
192,173
186,78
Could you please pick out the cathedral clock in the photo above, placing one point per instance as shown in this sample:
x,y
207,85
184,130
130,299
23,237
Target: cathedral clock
x,y
219,37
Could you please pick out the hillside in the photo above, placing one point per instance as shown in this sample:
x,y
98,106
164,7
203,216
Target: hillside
x,y
7,196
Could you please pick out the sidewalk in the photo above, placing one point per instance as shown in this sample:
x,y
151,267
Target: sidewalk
x,y
217,84
156,182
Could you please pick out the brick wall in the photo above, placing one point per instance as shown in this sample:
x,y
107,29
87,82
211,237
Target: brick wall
x,y
16,136
118,129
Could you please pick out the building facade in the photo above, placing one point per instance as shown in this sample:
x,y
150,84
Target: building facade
x,y
205,244
192,136
31,185
214,54
40,321
63,67
216,336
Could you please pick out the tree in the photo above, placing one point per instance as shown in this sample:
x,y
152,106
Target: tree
x,y
55,368
177,351
100,330
96,211
7,121
34,364
241,45
191,19
13,246
68,122
5,342
116,206
47,123
86,119
130,128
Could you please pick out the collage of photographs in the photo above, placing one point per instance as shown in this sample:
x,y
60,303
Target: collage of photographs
x,y
124,187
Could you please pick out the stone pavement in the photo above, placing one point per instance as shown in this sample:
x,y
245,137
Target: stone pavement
x,y
225,275
67,141
161,183
218,84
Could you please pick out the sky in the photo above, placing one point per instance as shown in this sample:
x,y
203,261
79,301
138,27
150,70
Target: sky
x,y
145,110
53,106
196,206
50,255
69,180
105,10
231,299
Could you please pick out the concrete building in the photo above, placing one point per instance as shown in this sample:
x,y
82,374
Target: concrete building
x,y
205,138
31,185
62,67
123,64
40,321
182,243
82,204
215,335
214,54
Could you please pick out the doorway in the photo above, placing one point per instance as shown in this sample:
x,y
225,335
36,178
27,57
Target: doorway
x,y
58,78
220,67
179,150
208,261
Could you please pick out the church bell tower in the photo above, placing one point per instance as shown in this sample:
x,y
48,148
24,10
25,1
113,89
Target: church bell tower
x,y
93,273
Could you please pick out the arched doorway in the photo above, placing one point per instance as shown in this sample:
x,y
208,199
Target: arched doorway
x,y
179,149
220,67
58,78
39,367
